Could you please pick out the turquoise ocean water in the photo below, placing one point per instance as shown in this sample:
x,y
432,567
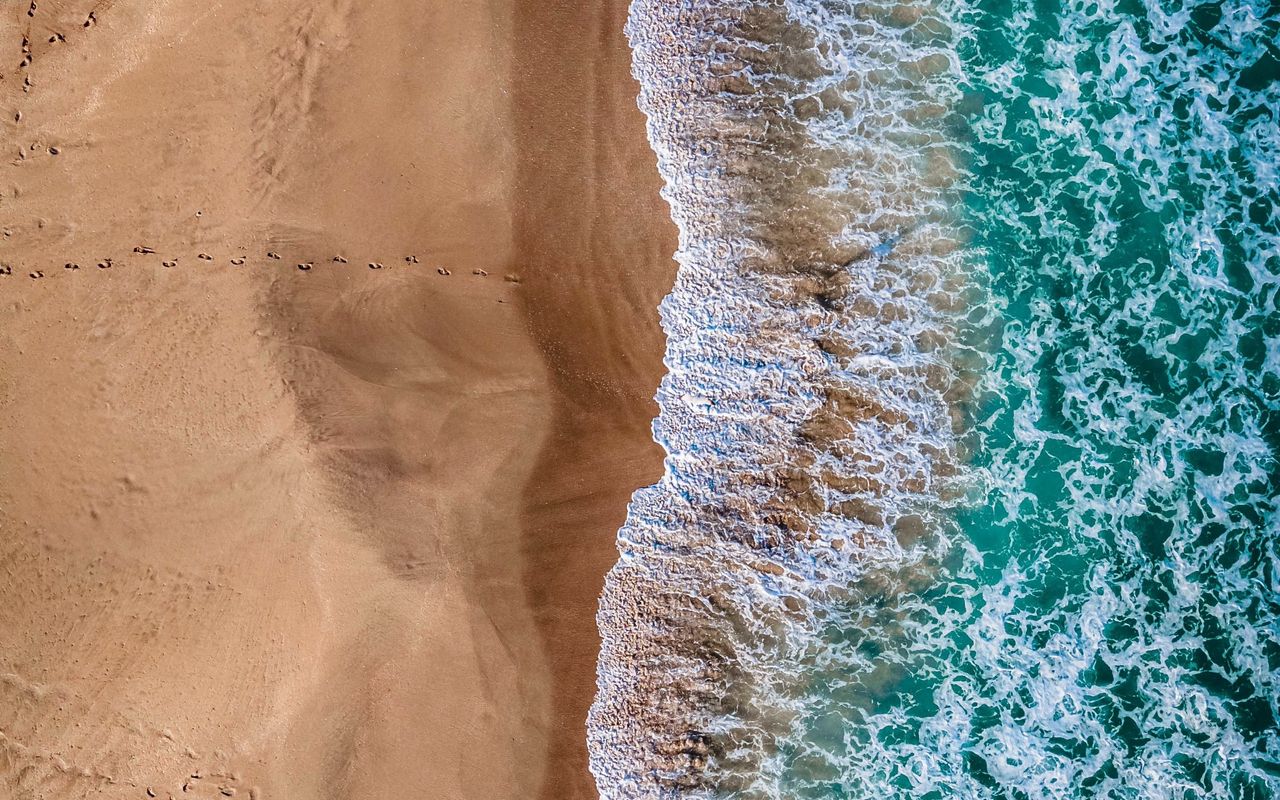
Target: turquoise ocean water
x,y
1108,624
973,413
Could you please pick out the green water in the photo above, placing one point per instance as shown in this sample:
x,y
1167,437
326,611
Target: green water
x,y
1107,622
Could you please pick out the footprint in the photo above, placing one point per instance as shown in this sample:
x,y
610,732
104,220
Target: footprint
x,y
237,261
169,263
6,270
479,272
69,265
443,271
210,785
143,249
271,255
103,264
205,257
91,21
339,260
411,259
374,265
36,275
305,267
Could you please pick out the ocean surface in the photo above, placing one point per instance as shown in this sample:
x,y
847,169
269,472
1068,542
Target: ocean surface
x,y
973,406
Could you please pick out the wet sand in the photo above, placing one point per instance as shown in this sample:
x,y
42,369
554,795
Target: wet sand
x,y
331,531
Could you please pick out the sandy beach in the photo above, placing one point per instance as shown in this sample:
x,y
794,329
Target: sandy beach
x,y
329,524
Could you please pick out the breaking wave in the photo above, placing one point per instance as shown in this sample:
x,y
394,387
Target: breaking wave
x,y
815,392
973,406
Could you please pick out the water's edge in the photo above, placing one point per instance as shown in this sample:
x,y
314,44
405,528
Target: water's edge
x,y
814,400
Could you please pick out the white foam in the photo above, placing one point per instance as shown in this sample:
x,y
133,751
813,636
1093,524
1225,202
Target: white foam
x,y
1151,364
805,412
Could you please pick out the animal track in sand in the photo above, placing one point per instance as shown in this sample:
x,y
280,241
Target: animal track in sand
x,y
48,31
237,261
201,785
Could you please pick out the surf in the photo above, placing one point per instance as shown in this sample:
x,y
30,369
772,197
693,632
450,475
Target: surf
x,y
812,409
973,407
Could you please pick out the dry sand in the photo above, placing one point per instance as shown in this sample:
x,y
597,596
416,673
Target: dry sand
x,y
334,533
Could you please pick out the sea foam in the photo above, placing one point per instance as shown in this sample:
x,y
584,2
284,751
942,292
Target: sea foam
x,y
815,399
1107,622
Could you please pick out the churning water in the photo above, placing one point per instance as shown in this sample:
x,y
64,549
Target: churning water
x,y
973,413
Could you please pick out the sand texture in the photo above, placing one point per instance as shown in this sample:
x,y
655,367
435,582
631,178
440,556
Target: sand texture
x,y
297,527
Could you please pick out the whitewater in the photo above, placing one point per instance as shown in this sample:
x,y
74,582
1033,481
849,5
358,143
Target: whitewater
x,y
972,409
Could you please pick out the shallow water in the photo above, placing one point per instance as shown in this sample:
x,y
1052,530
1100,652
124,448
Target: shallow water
x,y
989,292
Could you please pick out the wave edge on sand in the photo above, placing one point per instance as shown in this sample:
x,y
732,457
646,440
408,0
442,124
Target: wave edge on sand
x,y
813,411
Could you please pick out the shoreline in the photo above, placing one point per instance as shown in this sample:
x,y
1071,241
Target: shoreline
x,y
807,412
596,235
340,532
